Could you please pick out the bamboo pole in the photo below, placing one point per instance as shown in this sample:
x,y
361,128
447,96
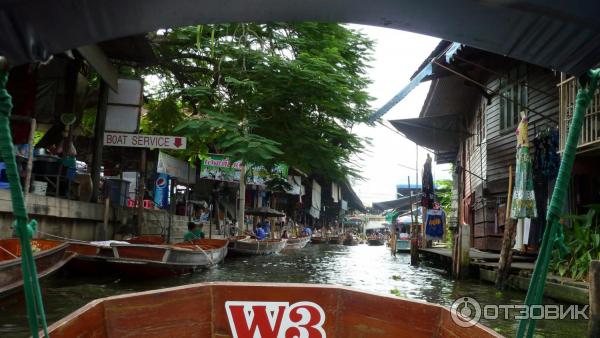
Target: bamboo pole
x,y
507,239
414,233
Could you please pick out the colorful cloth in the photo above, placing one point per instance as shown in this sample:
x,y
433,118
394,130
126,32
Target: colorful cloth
x,y
428,195
523,199
434,224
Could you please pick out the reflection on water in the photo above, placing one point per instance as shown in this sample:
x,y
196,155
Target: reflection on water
x,y
369,268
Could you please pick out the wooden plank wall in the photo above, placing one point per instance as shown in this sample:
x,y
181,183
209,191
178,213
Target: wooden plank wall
x,y
501,144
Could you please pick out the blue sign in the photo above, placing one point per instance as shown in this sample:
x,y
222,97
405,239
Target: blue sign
x,y
161,191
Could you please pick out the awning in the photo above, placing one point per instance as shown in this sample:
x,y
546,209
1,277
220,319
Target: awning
x,y
439,133
401,203
553,34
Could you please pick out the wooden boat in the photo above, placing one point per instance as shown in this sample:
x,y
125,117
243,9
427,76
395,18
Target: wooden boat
x,y
318,240
221,310
375,241
147,239
295,243
350,240
149,260
334,240
244,245
49,256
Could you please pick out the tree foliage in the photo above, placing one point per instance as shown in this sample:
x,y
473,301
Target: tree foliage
x,y
278,92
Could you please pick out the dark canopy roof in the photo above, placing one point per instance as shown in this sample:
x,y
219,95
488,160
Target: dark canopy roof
x,y
402,203
551,33
434,132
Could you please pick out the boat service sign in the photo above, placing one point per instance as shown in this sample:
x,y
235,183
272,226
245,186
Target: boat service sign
x,y
144,141
248,319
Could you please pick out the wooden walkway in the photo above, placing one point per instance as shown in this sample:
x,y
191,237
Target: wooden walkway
x,y
485,259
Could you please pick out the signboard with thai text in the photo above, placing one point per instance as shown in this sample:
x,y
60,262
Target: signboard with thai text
x,y
221,168
144,141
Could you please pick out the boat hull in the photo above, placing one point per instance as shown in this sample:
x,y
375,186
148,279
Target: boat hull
x,y
403,245
51,256
318,240
209,310
296,243
254,247
375,242
147,260
334,240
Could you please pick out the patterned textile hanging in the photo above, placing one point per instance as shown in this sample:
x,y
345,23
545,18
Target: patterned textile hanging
x,y
428,195
523,199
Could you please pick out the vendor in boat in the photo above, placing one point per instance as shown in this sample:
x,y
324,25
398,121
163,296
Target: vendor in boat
x,y
194,232
307,232
259,233
285,234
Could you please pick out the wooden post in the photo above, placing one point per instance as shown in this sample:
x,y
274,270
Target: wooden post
x,y
507,239
465,246
105,219
414,233
594,324
141,190
172,185
242,197
99,139
32,128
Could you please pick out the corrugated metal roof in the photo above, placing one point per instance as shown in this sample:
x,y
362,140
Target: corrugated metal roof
x,y
554,34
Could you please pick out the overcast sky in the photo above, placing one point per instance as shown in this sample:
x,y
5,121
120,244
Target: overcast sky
x,y
396,57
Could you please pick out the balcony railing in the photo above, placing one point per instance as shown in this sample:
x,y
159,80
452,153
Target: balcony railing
x,y
590,133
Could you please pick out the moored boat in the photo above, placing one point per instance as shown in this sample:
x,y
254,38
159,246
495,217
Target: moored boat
x,y
167,260
149,260
244,245
49,256
250,310
350,240
376,241
318,240
295,243
334,240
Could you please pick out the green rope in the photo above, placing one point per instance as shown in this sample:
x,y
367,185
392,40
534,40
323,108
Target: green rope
x,y
553,233
24,230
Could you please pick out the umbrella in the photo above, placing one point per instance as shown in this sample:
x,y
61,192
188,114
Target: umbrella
x,y
264,211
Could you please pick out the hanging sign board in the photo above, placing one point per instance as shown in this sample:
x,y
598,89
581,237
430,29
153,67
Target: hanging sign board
x,y
221,168
144,141
175,167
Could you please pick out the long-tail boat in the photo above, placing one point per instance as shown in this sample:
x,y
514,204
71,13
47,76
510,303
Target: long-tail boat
x,y
49,256
350,240
375,240
264,310
245,245
334,240
295,243
149,260
318,239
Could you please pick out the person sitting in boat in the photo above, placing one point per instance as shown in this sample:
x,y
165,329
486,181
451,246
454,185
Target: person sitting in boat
x,y
259,232
194,232
284,234
307,232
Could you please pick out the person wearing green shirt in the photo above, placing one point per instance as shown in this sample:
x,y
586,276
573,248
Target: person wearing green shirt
x,y
194,232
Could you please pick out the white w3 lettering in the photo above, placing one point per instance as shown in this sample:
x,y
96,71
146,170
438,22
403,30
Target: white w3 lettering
x,y
275,319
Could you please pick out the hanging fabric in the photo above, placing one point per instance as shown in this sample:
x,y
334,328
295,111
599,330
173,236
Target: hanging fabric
x,y
523,204
434,223
428,195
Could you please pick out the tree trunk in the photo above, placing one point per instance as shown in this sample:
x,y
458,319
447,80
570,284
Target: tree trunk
x,y
242,199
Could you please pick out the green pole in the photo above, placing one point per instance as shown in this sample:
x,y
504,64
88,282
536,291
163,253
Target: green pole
x,y
24,230
553,230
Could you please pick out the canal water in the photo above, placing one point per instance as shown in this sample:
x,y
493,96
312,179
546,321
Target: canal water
x,y
369,268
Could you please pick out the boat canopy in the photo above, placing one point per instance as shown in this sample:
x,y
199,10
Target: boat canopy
x,y
553,34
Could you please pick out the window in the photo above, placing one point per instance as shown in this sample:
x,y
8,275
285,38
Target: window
x,y
513,97
480,132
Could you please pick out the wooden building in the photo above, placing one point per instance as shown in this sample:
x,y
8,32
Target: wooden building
x,y
469,119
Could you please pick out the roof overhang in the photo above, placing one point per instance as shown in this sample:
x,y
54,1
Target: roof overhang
x,y
553,34
440,133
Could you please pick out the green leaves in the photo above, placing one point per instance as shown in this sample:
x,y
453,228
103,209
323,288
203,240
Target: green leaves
x,y
582,238
297,89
